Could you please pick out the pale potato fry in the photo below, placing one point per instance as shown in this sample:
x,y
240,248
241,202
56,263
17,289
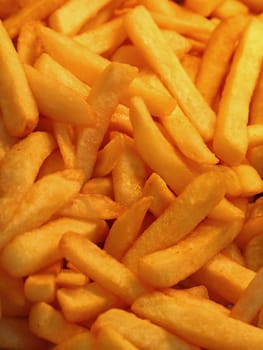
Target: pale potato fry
x,y
19,109
156,151
253,252
28,44
105,38
62,20
99,185
161,195
35,10
71,278
255,132
109,339
40,287
48,323
15,334
204,7
179,219
230,139
145,335
101,267
165,63
43,199
43,244
230,8
59,102
129,174
224,277
47,65
109,156
250,301
81,341
167,267
26,155
183,313
126,228
216,58
86,303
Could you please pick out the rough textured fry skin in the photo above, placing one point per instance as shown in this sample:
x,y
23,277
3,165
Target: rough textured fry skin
x,y
19,109
109,339
79,341
179,219
182,314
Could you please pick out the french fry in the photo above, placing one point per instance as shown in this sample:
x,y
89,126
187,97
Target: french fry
x,y
250,181
40,202
145,335
26,155
205,8
28,45
63,134
7,7
225,210
253,252
186,137
105,38
255,137
191,63
101,267
15,334
62,20
167,267
126,228
156,151
165,63
43,244
255,5
86,303
48,323
182,315
87,66
71,278
40,287
129,174
109,339
252,227
77,342
179,219
255,158
52,163
179,44
108,156
161,195
230,139
255,116
129,54
198,291
6,141
19,110
232,251
218,53
99,185
48,66
92,207
230,8
250,301
120,120
224,277
59,102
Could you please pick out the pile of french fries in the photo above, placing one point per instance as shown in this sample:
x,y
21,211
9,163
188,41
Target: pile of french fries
x,y
131,166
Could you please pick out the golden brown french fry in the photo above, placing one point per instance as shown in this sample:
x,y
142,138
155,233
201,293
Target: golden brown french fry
x,y
42,200
155,150
230,139
255,158
250,181
120,120
103,99
52,163
77,342
92,207
230,8
191,63
19,169
48,66
8,7
186,137
218,53
165,63
126,228
63,134
129,54
252,228
109,339
19,110
179,44
101,267
179,219
35,10
161,195
255,132
167,267
224,277
59,102
15,334
253,252
145,335
48,323
28,45
250,301
87,66
43,244
40,287
198,291
255,5
182,315
105,38
232,251
62,20
86,303
205,8
99,185
129,174
225,210
6,141
255,116
71,278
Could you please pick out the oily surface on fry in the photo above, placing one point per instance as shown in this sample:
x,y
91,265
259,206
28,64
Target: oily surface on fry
x,y
131,175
